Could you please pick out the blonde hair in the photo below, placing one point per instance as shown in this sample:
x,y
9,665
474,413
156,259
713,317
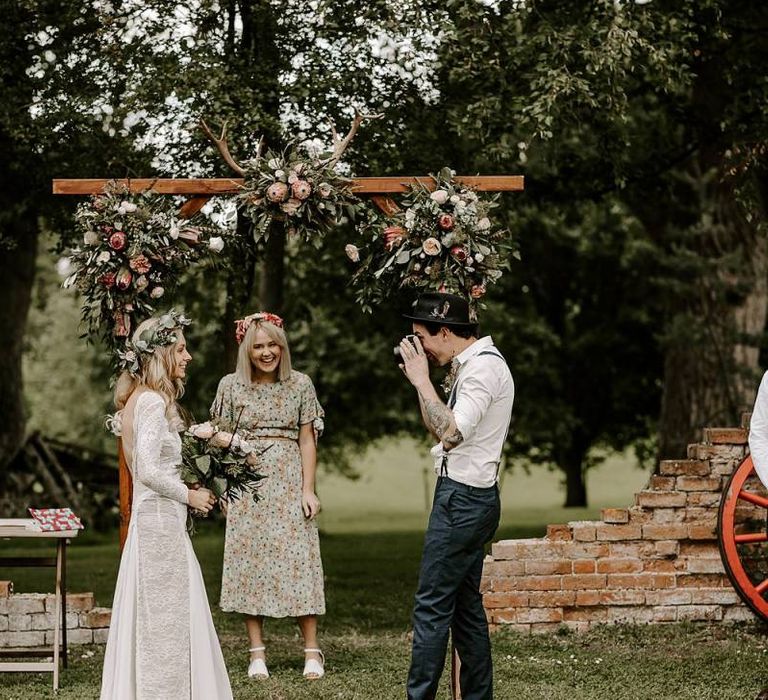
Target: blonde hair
x,y
244,369
156,371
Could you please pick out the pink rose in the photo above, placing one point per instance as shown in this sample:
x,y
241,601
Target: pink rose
x,y
301,189
140,264
221,439
108,279
291,206
277,192
124,278
141,283
477,291
459,252
393,236
445,222
157,292
439,196
118,240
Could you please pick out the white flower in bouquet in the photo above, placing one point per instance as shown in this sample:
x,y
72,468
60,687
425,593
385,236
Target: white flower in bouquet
x,y
439,196
126,207
91,238
279,174
353,252
157,292
141,283
484,224
410,218
479,257
204,431
216,244
103,257
455,199
432,246
273,163
174,231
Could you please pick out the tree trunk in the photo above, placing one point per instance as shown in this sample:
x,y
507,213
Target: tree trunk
x,y
17,270
272,279
571,462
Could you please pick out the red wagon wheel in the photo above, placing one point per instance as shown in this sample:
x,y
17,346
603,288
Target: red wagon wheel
x,y
743,536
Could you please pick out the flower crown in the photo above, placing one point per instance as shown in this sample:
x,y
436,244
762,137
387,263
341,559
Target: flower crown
x,y
160,334
242,325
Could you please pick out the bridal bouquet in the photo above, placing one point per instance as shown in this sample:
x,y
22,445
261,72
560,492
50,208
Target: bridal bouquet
x,y
220,461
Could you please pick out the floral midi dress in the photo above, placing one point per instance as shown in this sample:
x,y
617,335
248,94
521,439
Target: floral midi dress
x,y
272,564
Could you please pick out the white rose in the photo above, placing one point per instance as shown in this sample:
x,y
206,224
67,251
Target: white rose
x,y
353,252
461,204
128,207
479,257
455,198
104,257
484,224
203,431
439,196
279,174
216,244
91,238
157,292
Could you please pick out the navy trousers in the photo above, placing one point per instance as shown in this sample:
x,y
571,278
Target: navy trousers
x,y
463,519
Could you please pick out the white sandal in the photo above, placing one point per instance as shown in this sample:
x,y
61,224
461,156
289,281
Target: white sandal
x,y
258,667
313,669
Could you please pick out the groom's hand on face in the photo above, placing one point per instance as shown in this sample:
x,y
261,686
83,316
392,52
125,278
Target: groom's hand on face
x,y
415,365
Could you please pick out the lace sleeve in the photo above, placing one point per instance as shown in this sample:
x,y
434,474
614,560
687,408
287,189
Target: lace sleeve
x,y
149,427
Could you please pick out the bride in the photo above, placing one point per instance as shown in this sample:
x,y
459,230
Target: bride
x,y
162,643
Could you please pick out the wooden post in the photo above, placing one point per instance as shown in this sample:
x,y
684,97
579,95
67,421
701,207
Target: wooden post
x,y
126,493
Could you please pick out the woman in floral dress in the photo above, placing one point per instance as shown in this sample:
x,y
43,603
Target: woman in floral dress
x,y
272,565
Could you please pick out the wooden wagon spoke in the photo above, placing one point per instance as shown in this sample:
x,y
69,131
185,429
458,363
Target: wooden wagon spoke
x,y
762,587
753,498
751,538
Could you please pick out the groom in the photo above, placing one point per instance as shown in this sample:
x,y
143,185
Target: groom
x,y
470,430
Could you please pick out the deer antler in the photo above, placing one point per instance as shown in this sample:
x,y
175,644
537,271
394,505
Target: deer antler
x,y
221,144
339,144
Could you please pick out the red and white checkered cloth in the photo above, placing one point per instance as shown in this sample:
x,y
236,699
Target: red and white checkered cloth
x,y
52,519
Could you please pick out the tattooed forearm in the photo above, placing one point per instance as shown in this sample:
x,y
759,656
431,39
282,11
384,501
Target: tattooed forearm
x,y
438,416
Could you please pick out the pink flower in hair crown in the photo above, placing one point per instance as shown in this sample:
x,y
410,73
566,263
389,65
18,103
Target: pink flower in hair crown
x,y
242,325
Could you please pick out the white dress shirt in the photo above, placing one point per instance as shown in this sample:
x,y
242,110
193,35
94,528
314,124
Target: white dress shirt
x,y
484,393
758,432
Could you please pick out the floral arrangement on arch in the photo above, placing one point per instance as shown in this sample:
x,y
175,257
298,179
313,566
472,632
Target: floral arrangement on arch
x,y
298,188
442,239
134,249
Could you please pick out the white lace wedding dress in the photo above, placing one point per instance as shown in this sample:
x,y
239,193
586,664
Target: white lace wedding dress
x,y
162,644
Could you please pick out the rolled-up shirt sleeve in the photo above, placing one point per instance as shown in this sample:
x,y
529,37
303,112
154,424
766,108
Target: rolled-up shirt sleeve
x,y
758,432
473,398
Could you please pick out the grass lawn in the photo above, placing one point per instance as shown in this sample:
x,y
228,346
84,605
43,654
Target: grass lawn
x,y
371,565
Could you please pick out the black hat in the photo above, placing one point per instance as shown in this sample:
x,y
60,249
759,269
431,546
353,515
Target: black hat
x,y
445,309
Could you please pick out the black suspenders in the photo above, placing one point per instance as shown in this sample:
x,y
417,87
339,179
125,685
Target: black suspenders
x,y
452,402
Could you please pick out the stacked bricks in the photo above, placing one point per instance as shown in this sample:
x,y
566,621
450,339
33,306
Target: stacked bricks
x,y
26,619
654,562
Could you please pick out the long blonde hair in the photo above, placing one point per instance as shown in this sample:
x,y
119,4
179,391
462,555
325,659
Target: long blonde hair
x,y
244,369
156,371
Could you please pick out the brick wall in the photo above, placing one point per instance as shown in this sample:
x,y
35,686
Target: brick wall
x,y
654,562
26,619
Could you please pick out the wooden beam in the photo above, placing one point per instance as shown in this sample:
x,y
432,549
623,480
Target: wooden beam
x,y
214,186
